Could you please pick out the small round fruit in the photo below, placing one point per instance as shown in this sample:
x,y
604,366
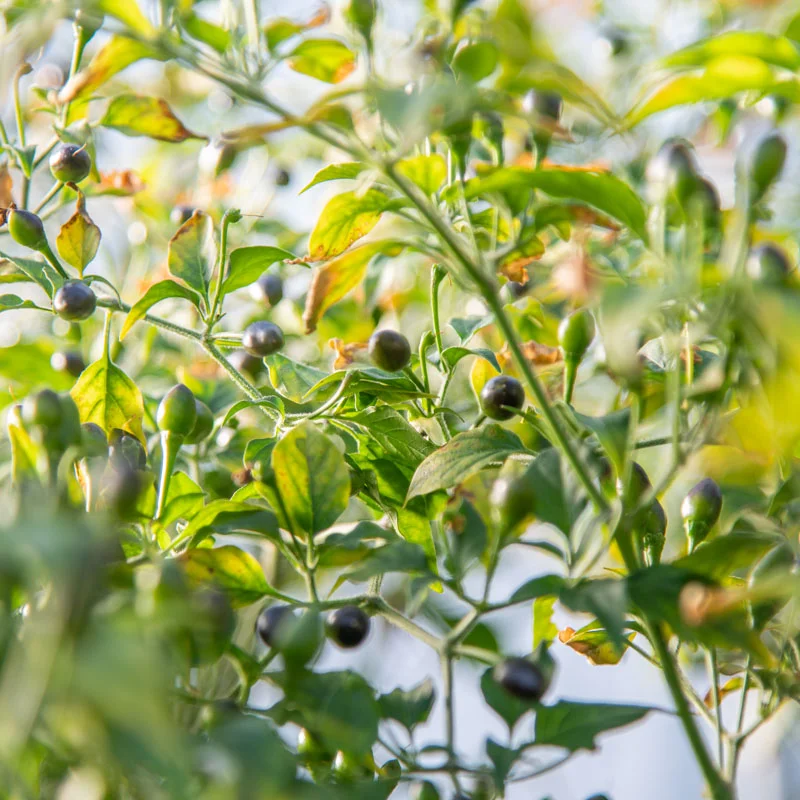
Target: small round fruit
x,y
26,229
767,165
545,104
389,350
299,639
93,440
74,301
180,214
268,289
499,392
177,411
348,768
515,289
43,408
282,177
673,171
700,510
270,620
122,488
348,626
768,265
70,163
125,451
203,425
521,679
575,334
244,362
71,363
511,501
262,339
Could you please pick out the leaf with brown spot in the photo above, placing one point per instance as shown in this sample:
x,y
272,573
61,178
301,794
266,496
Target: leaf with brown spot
x,y
137,115
335,279
79,237
593,642
326,60
117,183
344,220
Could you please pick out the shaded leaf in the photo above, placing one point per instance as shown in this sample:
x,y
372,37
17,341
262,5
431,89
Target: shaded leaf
x,y
427,172
228,568
720,557
508,707
395,435
137,115
462,456
542,586
409,707
396,556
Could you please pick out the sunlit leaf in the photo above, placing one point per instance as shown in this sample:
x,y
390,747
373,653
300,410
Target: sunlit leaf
x,y
427,172
137,115
336,172
228,568
245,265
475,60
163,290
326,60
344,220
79,238
777,50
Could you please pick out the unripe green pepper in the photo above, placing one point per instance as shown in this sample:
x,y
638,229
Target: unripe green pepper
x,y
176,417
348,768
203,425
767,164
43,409
651,527
299,639
511,499
700,511
26,228
361,15
575,334
459,134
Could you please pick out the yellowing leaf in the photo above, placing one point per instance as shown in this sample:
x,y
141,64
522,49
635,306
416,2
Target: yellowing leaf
x,y
776,50
344,220
594,643
326,60
136,115
106,396
228,568
79,238
127,12
427,172
336,278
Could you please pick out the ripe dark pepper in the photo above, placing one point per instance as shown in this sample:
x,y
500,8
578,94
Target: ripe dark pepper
x,y
74,301
501,391
268,289
177,411
125,451
389,350
521,679
768,265
348,626
70,163
180,214
700,510
262,339
270,620
71,363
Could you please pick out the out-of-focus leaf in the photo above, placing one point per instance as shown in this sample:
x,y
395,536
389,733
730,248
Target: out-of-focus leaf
x,y
510,708
336,172
344,220
326,60
128,13
228,568
79,238
577,725
462,456
247,263
612,433
542,586
335,279
427,172
502,759
230,516
38,271
207,32
409,707
397,555
163,290
137,115
12,302
777,50
312,479
720,557
544,629
593,642
106,396
606,598
191,252
475,60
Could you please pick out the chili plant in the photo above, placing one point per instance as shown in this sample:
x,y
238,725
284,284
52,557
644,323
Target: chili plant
x,y
594,360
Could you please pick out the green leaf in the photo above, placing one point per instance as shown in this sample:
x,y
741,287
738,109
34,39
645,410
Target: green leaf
x,y
79,238
292,379
722,77
600,190
612,432
462,456
544,630
720,557
312,479
468,536
136,115
577,725
452,355
39,272
396,437
207,32
345,219
509,708
191,252
129,14
409,707
467,327
777,50
246,264
229,516
280,29
336,172
335,279
230,569
339,707
184,499
12,302
558,500
475,60
606,598
387,386
106,396
326,60
502,759
427,172
396,556
542,586
155,294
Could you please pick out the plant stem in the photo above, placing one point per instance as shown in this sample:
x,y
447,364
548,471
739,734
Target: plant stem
x,y
713,673
231,215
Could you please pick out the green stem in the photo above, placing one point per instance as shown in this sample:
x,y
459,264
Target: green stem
x,y
170,446
713,673
230,216
570,374
47,252
437,276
